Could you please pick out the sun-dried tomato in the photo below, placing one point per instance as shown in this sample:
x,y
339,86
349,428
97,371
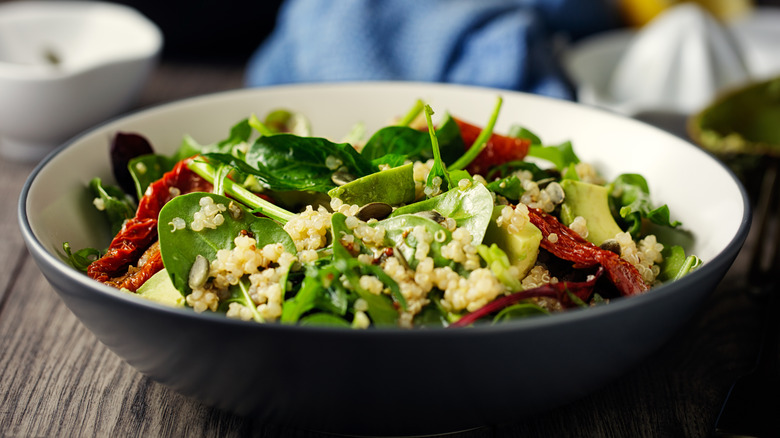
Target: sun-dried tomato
x,y
149,264
138,233
572,247
499,149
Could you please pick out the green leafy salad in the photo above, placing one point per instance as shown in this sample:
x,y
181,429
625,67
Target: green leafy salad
x,y
415,225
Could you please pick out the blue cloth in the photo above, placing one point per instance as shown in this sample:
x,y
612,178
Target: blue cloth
x,y
497,43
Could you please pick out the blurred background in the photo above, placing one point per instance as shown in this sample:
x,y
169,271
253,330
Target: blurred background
x,y
224,34
657,60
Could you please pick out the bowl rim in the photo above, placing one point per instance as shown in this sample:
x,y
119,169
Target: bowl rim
x,y
722,260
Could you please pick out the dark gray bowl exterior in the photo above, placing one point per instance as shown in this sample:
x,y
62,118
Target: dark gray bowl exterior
x,y
382,381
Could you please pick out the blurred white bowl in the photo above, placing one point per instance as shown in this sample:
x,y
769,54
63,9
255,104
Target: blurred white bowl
x,y
678,75
65,66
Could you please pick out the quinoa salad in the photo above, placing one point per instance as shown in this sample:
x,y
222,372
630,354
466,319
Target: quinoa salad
x,y
417,225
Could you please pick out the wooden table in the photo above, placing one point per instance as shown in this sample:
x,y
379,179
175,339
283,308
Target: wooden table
x,y
58,380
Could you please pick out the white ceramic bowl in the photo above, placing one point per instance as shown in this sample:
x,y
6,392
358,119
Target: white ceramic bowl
x,y
65,66
388,381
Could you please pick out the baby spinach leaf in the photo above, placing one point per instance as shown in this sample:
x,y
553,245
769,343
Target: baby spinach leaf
x,y
457,175
519,311
180,247
239,293
392,160
451,144
517,131
240,133
82,258
413,144
676,265
188,148
320,289
147,169
471,208
397,140
398,232
631,196
289,162
509,187
324,319
433,314
438,170
114,202
380,309
561,156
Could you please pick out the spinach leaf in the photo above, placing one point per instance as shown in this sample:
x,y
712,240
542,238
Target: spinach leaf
x,y
147,169
392,160
82,258
180,247
631,196
239,293
413,144
434,314
509,187
437,170
321,289
324,319
289,162
398,231
517,131
114,202
451,144
380,308
397,140
189,147
240,133
676,265
513,166
471,208
519,311
561,156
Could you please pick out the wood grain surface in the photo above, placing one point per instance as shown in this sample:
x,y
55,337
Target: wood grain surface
x,y
58,380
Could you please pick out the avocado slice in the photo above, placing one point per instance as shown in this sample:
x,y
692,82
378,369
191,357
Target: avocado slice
x,y
392,186
590,201
521,248
159,288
